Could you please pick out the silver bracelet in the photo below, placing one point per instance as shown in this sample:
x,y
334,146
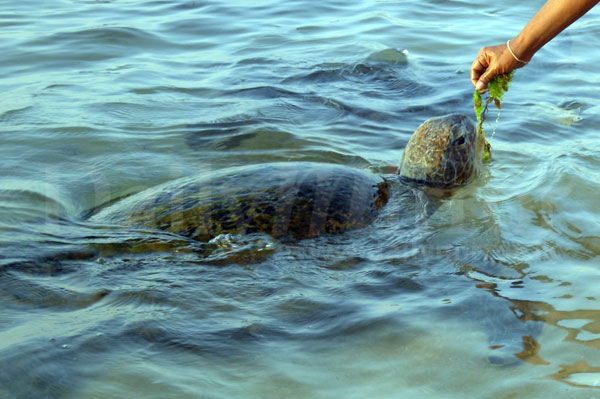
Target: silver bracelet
x,y
513,54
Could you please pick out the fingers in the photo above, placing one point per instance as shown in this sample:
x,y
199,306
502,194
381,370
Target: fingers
x,y
485,67
477,69
491,61
484,79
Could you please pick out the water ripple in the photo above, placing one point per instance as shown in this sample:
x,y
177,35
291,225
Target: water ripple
x,y
104,99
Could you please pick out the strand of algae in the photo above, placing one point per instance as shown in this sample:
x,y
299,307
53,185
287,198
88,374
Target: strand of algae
x,y
496,89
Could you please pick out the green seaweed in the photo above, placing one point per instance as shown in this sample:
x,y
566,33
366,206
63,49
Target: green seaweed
x,y
496,89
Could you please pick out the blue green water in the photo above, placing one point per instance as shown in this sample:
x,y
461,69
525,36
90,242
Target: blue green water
x,y
495,295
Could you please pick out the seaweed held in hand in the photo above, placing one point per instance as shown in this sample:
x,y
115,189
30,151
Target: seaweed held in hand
x,y
496,89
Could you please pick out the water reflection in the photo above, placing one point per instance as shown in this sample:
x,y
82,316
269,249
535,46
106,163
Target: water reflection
x,y
494,292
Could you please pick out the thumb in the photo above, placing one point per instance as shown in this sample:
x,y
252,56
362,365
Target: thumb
x,y
484,79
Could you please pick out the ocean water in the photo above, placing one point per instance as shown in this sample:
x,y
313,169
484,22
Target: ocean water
x,y
495,295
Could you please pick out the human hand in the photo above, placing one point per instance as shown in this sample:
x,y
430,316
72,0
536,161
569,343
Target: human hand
x,y
492,61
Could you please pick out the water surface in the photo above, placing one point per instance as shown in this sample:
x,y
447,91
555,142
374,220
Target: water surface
x,y
495,295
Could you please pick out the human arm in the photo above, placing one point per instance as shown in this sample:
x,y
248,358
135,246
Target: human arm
x,y
550,20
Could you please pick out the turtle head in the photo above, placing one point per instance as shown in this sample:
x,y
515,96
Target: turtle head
x,y
443,152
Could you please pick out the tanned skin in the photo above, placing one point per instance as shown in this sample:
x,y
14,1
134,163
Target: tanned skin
x,y
550,20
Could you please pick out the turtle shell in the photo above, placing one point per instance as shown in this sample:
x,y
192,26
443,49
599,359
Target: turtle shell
x,y
300,200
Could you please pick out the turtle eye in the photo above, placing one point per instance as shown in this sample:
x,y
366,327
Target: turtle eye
x,y
458,141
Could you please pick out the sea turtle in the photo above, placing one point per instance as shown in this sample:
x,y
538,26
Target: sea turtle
x,y
301,199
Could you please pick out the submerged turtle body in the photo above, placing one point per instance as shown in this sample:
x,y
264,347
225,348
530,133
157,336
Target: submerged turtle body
x,y
298,199
301,199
